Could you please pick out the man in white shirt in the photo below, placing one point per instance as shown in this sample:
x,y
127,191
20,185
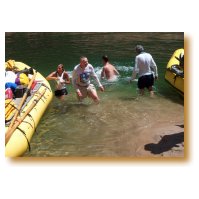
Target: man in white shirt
x,y
81,80
146,69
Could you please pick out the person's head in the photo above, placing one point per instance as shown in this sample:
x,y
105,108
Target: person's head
x,y
60,68
105,58
139,49
83,61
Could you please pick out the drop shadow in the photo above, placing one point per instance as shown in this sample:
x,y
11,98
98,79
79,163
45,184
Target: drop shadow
x,y
166,143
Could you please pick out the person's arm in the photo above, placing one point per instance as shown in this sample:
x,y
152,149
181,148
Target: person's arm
x,y
67,79
103,73
116,72
74,79
74,82
135,69
154,66
52,76
97,79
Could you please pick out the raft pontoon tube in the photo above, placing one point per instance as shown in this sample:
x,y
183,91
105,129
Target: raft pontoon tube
x,y
175,71
19,134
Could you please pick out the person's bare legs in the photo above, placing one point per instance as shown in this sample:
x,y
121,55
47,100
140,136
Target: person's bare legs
x,y
93,94
61,97
79,97
151,91
141,91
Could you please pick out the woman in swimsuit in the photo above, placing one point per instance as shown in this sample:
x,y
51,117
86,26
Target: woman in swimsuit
x,y
62,78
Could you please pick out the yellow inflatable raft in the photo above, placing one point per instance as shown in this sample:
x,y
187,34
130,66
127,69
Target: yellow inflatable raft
x,y
175,71
23,113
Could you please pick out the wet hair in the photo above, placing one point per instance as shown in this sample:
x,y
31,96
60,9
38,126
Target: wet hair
x,y
139,49
105,58
83,57
62,67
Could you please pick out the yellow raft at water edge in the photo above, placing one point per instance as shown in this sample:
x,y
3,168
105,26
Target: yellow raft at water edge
x,y
175,71
23,113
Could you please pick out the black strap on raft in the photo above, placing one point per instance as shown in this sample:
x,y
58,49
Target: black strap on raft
x,y
13,105
175,78
177,70
180,59
46,87
28,123
26,138
32,120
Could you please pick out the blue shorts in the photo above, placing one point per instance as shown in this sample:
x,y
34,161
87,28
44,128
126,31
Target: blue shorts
x,y
145,81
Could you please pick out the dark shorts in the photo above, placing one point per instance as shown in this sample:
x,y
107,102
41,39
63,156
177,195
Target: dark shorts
x,y
145,81
61,92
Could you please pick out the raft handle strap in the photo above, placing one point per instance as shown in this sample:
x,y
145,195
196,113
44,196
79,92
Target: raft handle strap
x,y
46,87
25,137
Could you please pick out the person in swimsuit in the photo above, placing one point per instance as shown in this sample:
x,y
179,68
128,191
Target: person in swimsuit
x,y
81,80
108,70
62,78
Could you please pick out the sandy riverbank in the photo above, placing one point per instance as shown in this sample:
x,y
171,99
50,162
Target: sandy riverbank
x,y
119,128
162,140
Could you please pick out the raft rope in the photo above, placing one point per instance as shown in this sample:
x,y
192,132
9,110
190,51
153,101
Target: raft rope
x,y
32,120
25,137
35,100
46,87
27,123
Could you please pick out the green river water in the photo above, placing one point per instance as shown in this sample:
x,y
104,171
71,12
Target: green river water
x,y
109,129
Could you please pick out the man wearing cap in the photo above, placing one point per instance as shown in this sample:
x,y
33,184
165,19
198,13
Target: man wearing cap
x,y
146,69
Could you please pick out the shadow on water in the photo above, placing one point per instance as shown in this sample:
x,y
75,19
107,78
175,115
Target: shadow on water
x,y
175,98
125,98
69,107
167,91
166,143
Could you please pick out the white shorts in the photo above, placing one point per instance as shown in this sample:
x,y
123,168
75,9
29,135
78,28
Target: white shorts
x,y
85,90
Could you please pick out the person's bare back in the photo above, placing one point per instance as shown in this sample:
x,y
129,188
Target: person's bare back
x,y
108,70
